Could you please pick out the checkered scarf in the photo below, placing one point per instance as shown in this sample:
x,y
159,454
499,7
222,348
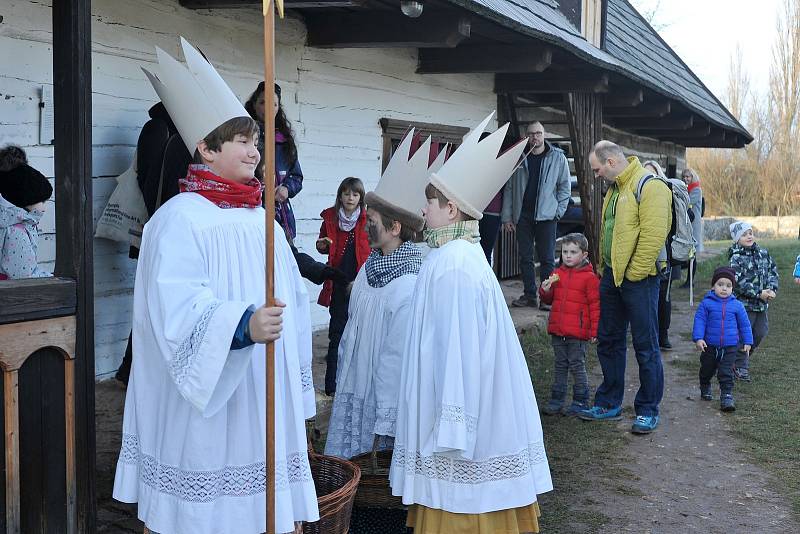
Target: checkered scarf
x,y
406,259
466,230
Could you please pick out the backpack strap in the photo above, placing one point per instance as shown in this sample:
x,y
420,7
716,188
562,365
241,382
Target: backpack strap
x,y
642,181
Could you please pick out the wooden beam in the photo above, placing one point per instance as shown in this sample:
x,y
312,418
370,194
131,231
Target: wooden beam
x,y
473,58
36,298
698,131
288,4
674,122
624,98
540,100
717,136
551,83
387,29
655,109
72,104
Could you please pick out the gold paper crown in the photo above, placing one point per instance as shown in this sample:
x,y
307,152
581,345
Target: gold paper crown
x,y
196,97
400,193
474,174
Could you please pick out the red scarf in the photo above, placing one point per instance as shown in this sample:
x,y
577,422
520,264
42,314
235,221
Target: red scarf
x,y
693,185
224,193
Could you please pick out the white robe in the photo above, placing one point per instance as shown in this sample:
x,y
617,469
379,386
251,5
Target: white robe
x,y
193,449
469,437
370,362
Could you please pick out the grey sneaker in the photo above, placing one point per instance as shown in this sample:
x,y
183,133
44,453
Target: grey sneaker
x,y
726,403
743,375
553,407
525,301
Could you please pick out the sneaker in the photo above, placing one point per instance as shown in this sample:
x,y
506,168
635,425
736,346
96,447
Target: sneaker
x,y
553,407
574,409
598,413
743,375
525,301
705,392
644,424
726,403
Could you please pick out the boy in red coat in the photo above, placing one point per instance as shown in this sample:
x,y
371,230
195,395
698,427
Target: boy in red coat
x,y
573,290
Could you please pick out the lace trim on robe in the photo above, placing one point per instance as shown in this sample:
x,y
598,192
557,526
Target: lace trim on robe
x,y
187,351
306,379
353,426
455,415
207,486
460,471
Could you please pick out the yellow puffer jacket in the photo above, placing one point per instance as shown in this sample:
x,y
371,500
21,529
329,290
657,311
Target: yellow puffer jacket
x,y
640,230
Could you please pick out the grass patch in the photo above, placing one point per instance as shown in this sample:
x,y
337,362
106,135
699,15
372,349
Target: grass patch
x,y
767,420
575,448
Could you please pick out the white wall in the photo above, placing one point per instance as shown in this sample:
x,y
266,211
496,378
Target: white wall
x,y
333,97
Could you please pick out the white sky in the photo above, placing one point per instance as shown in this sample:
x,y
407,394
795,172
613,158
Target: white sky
x,y
704,33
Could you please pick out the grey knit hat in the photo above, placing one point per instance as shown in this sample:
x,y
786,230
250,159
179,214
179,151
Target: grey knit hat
x,y
738,229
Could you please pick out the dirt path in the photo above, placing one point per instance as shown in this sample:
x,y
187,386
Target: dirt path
x,y
688,475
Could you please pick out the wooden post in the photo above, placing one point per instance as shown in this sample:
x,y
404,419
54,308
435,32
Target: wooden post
x,y
269,192
17,342
72,98
11,413
585,118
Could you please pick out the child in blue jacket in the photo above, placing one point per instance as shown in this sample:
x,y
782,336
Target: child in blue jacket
x,y
797,270
720,325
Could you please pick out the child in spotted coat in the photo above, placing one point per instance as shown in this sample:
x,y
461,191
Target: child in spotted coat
x,y
23,193
756,285
573,291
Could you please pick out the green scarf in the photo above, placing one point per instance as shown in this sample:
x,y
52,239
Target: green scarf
x,y
467,230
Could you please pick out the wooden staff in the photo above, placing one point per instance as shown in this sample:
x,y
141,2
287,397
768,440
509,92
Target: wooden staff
x,y
269,193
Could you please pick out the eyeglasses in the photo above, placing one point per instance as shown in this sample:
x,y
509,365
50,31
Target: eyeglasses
x,y
534,134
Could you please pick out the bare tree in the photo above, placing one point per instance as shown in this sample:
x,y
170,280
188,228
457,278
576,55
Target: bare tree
x,y
764,177
650,10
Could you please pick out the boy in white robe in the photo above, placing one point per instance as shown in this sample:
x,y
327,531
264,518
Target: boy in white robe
x,y
370,352
468,450
193,448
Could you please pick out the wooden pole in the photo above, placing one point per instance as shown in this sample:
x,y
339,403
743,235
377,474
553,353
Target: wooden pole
x,y
269,192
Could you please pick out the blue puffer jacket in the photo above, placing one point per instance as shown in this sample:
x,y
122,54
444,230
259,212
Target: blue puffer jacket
x,y
722,322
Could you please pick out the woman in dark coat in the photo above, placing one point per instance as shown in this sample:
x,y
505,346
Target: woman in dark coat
x,y
288,176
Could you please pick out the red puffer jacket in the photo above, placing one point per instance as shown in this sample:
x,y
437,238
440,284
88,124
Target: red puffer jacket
x,y
576,302
330,228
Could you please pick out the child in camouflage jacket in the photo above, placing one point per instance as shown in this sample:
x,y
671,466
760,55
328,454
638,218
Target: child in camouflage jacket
x,y
756,285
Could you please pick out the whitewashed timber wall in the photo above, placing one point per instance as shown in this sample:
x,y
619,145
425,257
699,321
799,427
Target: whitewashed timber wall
x,y
333,97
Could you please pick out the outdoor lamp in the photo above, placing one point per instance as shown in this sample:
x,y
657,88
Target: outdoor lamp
x,y
411,8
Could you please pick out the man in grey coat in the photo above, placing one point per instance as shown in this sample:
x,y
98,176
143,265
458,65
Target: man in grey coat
x,y
534,199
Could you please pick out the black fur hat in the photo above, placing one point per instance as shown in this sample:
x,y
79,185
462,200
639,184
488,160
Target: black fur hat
x,y
21,184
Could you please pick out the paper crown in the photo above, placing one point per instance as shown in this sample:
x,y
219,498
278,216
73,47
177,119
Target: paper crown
x,y
400,193
195,95
474,174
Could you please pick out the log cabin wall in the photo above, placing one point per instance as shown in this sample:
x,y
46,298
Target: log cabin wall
x,y
334,98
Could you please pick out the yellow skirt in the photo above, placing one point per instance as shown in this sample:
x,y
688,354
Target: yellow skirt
x,y
514,521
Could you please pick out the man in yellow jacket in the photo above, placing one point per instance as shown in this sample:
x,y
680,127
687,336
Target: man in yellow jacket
x,y
632,234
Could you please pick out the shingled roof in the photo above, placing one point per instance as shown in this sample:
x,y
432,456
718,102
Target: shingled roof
x,y
632,48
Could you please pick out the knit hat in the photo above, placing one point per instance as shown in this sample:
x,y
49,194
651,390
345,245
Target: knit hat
x,y
723,272
738,229
21,184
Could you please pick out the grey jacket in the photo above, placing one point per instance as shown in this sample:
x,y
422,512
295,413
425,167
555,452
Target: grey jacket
x,y
554,188
19,238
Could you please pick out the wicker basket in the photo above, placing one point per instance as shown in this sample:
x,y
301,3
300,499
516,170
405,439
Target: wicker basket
x,y
336,481
373,490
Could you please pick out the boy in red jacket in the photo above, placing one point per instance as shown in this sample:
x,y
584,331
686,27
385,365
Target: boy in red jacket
x,y
573,290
